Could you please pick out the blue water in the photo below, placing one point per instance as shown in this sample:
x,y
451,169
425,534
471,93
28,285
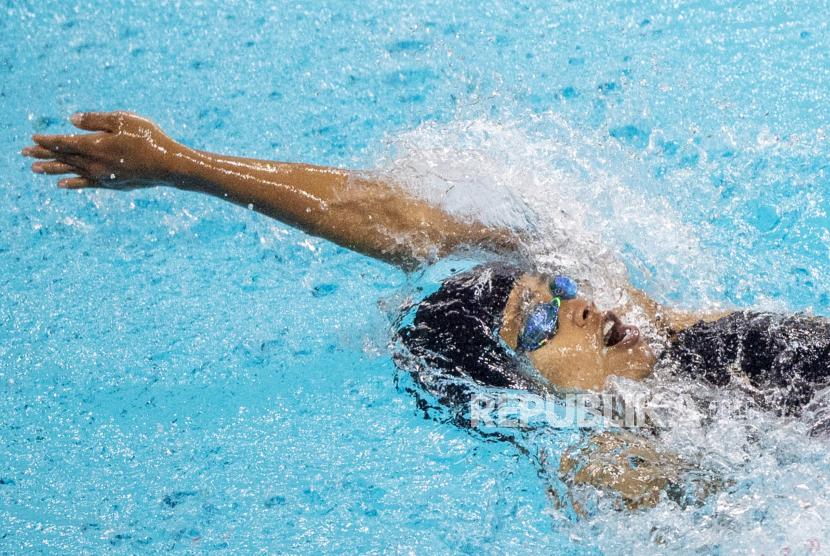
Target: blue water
x,y
179,375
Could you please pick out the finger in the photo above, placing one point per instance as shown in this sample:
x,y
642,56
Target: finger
x,y
58,143
95,121
37,152
53,168
80,162
76,183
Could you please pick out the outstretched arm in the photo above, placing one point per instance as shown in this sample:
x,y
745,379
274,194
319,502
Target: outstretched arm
x,y
349,208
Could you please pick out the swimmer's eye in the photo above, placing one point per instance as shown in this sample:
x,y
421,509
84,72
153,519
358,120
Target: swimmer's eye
x,y
541,324
540,327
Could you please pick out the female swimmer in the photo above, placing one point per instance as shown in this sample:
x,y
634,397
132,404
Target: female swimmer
x,y
480,325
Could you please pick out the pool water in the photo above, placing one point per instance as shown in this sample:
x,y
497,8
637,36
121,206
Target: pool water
x,y
179,375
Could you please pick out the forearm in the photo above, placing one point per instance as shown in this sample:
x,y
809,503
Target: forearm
x,y
297,194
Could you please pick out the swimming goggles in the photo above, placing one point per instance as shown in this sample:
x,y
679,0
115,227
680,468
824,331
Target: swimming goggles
x,y
541,324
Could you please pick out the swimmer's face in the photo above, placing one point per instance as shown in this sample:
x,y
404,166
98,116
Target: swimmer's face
x,y
588,346
579,355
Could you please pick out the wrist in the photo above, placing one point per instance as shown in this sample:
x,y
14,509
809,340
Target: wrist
x,y
181,168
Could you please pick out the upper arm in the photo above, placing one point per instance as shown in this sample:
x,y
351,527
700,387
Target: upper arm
x,y
377,218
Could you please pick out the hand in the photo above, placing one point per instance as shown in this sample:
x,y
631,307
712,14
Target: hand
x,y
637,471
623,463
128,152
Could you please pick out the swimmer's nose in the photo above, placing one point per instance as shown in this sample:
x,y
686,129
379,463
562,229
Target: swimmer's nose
x,y
582,312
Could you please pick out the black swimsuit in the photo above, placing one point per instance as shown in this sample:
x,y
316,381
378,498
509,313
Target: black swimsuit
x,y
784,360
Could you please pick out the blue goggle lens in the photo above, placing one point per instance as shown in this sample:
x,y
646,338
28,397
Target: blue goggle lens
x,y
563,288
541,324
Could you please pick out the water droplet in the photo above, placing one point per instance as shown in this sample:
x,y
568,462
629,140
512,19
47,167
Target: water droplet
x,y
250,206
112,176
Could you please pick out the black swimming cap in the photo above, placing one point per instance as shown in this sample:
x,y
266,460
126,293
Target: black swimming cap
x,y
455,334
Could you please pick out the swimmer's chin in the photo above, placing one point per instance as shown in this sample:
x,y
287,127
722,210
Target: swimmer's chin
x,y
582,373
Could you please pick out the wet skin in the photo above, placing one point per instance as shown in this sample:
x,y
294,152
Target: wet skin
x,y
353,209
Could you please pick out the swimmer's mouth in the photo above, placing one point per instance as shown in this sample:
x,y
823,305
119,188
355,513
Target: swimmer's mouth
x,y
615,333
